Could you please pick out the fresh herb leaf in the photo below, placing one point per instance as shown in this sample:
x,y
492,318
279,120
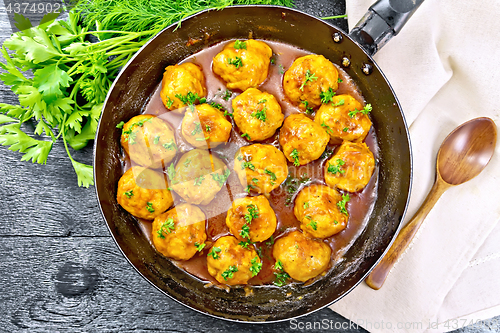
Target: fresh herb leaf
x,y
326,96
248,165
366,109
198,181
129,194
190,98
227,95
339,103
281,275
120,124
261,114
335,168
245,231
149,207
199,247
271,174
341,204
306,205
214,252
221,179
270,242
253,213
245,135
240,45
197,128
170,145
228,273
166,227
236,62
313,224
309,77
295,155
327,128
169,102
309,110
256,266
227,113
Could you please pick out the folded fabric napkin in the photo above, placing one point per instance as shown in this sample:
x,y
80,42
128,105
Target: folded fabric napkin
x,y
443,67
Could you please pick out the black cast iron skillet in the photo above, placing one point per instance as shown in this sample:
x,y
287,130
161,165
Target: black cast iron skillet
x,y
138,80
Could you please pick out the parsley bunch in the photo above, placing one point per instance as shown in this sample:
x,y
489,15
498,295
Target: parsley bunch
x,y
61,80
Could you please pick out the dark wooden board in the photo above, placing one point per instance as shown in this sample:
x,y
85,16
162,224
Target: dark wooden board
x,y
59,268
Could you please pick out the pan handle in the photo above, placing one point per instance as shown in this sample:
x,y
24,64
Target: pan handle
x,y
384,19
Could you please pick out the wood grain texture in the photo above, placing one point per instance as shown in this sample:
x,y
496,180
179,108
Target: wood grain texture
x,y
60,269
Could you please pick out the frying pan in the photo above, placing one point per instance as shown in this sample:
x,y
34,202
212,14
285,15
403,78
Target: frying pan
x,y
139,78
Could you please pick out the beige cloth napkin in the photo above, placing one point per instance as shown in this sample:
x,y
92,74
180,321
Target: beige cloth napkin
x,y
444,68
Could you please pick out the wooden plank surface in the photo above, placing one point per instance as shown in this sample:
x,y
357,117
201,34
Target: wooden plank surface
x,y
60,269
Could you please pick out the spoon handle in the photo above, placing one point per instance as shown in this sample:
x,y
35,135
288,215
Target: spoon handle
x,y
378,275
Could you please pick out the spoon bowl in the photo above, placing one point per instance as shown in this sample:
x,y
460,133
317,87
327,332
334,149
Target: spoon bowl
x,y
464,153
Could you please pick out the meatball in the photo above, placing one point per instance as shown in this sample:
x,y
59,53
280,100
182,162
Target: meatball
x,y
308,79
344,119
198,176
260,168
204,126
251,219
301,257
143,193
351,168
179,232
243,64
302,140
230,263
185,81
321,210
257,114
149,141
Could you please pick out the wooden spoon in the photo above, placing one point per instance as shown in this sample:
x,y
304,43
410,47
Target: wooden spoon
x,y
462,156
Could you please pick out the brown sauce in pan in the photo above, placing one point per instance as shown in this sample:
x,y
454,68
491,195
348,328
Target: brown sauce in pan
x,y
282,198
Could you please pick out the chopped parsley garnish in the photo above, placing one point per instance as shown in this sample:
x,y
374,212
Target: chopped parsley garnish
x,y
190,98
156,140
272,61
120,124
149,207
187,161
306,205
203,139
261,114
245,244
228,273
256,266
217,106
281,69
167,227
271,174
207,128
367,109
227,95
129,194
245,231
255,180
271,241
240,45
236,62
326,96
281,275
248,165
198,181
170,102
197,128
199,247
131,136
313,224
335,168
295,155
309,110
227,113
214,252
309,77
170,145
221,179
249,187
171,173
253,213
245,135
339,103
345,129
327,128
341,204
339,80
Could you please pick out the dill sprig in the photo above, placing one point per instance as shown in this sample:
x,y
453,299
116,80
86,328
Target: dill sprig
x,y
141,15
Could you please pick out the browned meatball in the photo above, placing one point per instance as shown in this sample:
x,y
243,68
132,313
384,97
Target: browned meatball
x,y
205,127
351,168
243,64
198,176
260,168
302,140
149,141
182,83
309,77
257,114
143,193
180,232
230,263
344,119
321,210
251,219
301,257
